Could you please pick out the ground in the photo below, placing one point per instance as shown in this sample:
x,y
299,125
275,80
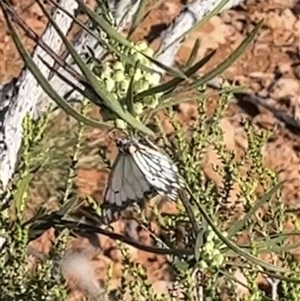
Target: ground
x,y
270,67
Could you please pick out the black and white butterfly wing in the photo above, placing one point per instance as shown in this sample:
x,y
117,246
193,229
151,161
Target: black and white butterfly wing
x,y
139,170
160,172
126,185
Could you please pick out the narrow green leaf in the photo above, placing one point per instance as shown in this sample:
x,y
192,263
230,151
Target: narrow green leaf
x,y
65,53
66,207
282,249
289,276
112,48
168,104
40,78
113,34
87,93
229,243
129,96
172,84
106,97
192,70
63,77
198,244
238,225
129,60
270,245
168,70
104,25
22,188
193,54
59,59
229,61
235,280
105,9
41,211
23,185
178,100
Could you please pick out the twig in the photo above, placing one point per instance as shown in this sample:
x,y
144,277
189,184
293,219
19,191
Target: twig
x,y
190,15
81,228
274,285
23,96
189,210
290,123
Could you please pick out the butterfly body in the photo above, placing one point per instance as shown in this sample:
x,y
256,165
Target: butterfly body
x,y
138,170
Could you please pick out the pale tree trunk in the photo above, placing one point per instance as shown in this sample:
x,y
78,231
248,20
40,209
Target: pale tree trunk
x,y
24,96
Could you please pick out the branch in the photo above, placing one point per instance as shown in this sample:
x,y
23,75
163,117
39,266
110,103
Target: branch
x,y
190,15
82,42
23,98
23,95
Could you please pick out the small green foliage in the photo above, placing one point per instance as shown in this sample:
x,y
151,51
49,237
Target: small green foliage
x,y
207,134
17,280
211,257
134,280
123,81
289,290
79,139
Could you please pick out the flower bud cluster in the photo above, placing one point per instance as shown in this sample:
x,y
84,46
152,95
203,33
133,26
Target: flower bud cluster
x,y
116,77
211,256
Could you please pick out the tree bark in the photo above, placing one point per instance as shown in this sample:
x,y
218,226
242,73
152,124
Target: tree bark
x,y
23,95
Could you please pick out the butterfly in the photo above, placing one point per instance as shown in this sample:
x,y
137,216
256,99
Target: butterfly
x,y
139,170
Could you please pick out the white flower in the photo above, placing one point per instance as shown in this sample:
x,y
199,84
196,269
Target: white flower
x,y
120,124
149,52
109,84
138,74
151,101
119,76
153,79
123,85
142,46
138,108
118,66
